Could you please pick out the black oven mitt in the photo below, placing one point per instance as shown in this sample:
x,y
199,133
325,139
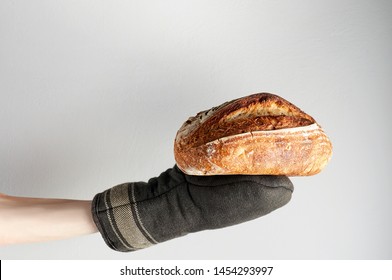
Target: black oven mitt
x,y
133,216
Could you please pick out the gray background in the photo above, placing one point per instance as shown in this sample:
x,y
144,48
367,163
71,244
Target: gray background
x,y
93,92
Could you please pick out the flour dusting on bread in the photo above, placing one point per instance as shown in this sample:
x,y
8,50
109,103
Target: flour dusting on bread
x,y
257,134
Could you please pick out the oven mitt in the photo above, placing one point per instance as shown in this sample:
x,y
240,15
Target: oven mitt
x,y
134,216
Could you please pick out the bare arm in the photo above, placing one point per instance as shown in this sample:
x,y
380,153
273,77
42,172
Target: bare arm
x,y
25,219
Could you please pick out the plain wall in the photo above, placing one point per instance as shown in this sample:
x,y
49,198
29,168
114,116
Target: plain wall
x,y
93,92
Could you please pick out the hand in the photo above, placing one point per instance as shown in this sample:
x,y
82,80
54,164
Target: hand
x,y
133,216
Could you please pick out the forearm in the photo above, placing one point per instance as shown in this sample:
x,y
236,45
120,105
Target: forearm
x,y
41,219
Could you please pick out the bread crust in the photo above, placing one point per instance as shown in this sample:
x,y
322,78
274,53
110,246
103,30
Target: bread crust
x,y
296,147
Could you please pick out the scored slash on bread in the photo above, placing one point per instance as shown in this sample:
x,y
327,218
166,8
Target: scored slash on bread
x,y
257,134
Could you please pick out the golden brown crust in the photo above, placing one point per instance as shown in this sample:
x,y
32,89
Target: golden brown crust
x,y
257,134
259,123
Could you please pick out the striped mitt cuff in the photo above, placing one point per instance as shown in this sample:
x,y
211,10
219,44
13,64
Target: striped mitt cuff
x,y
116,215
134,216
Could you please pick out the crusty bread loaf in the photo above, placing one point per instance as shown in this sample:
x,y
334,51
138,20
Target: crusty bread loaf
x,y
257,134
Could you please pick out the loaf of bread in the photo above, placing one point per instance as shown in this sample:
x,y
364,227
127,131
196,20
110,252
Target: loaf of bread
x,y
257,134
